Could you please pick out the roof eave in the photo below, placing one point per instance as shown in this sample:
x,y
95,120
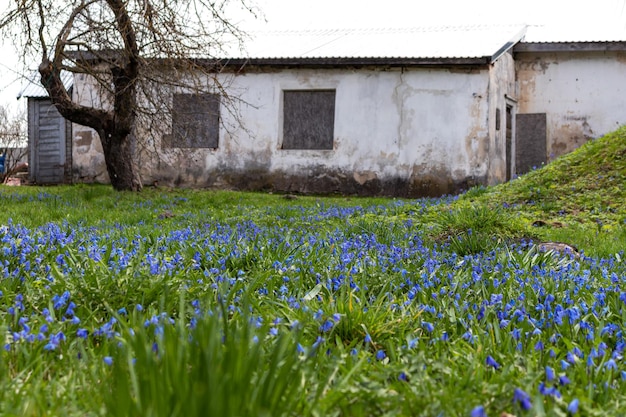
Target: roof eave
x,y
317,62
603,46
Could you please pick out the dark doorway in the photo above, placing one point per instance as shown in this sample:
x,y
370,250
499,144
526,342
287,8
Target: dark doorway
x,y
530,142
509,141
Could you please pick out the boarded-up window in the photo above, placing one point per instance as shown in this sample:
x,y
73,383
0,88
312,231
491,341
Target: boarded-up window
x,y
530,141
309,119
195,121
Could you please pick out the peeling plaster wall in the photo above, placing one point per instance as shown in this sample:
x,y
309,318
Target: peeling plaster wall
x,y
87,154
502,92
404,132
582,93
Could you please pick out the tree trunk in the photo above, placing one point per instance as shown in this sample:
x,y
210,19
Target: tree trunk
x,y
118,155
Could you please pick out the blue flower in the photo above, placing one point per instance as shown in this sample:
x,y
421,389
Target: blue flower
x,y
549,374
522,398
573,406
380,355
478,411
108,360
327,326
490,361
610,364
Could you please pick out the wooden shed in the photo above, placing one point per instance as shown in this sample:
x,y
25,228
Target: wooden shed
x,y
49,136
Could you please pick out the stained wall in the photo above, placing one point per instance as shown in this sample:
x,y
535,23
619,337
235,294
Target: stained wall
x,y
582,94
413,131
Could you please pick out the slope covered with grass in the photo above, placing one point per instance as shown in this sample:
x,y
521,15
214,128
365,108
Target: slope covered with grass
x,y
585,186
577,199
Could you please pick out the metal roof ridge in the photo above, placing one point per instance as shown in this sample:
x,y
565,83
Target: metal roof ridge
x,y
509,45
404,29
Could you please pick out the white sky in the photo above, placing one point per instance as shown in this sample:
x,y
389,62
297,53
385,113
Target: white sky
x,y
579,16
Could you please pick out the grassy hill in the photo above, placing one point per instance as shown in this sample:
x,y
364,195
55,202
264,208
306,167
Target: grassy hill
x,y
578,197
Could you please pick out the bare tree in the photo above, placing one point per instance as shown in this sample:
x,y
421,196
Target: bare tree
x,y
131,48
13,144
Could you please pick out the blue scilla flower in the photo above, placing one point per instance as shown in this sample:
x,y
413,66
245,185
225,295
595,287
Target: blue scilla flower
x,y
571,358
428,326
522,398
611,365
549,374
516,333
549,390
108,360
380,355
368,338
490,361
82,333
573,406
478,411
327,326
318,341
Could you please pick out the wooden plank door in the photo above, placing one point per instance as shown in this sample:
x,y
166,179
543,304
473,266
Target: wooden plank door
x,y
48,132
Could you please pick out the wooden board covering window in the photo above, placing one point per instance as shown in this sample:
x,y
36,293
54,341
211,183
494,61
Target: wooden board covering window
x,y
195,121
309,119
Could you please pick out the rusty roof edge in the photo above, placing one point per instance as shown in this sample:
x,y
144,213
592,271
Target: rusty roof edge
x,y
578,46
509,45
315,62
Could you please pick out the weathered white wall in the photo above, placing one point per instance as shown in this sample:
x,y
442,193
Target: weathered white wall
x,y
411,131
502,92
403,132
87,154
582,93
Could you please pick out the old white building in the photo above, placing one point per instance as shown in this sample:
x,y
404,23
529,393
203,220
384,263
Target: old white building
x,y
406,112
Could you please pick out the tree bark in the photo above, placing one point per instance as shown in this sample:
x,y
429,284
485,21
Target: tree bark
x,y
118,156
113,127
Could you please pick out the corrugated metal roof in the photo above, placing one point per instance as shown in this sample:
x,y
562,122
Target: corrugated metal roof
x,y
34,89
424,42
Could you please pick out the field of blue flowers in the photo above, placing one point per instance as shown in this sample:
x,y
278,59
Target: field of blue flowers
x,y
301,307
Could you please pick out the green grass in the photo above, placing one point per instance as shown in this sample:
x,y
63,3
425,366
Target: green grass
x,y
184,303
